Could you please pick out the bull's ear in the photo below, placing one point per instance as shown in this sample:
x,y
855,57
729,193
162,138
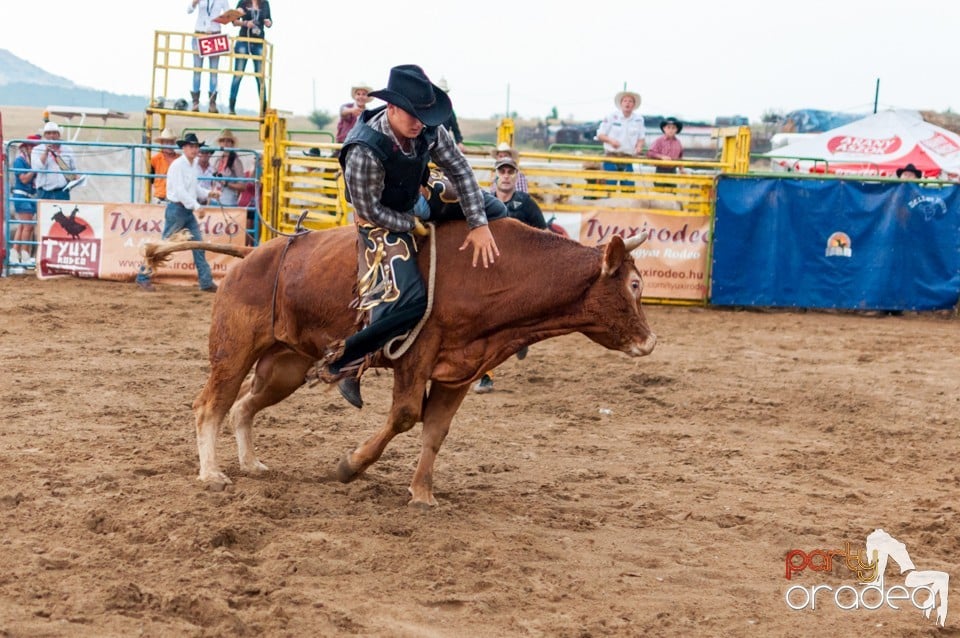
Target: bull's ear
x,y
613,254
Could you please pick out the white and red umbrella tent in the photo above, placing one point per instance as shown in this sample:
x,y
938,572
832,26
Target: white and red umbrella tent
x,y
875,146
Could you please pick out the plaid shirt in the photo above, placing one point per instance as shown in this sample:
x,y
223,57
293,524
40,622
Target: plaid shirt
x,y
365,175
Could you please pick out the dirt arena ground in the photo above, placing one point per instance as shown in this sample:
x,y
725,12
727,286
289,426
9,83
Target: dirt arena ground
x,y
590,495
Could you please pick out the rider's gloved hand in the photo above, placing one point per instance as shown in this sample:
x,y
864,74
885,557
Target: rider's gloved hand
x,y
422,209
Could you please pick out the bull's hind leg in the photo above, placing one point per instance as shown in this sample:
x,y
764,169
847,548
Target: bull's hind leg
x,y
210,407
441,405
233,351
279,372
404,413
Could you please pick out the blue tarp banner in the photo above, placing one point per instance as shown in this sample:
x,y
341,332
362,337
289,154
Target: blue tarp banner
x,y
788,242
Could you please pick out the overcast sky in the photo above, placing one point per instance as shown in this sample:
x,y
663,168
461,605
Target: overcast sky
x,y
694,59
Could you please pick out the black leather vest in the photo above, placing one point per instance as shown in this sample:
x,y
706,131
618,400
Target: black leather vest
x,y
404,174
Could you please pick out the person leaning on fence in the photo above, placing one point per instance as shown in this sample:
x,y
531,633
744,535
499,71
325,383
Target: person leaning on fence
x,y
227,164
502,151
54,164
521,207
160,164
385,161
186,195
667,146
206,10
205,170
24,191
909,172
351,111
622,133
254,21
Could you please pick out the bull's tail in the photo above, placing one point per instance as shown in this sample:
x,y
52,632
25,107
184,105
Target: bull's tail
x,y
156,253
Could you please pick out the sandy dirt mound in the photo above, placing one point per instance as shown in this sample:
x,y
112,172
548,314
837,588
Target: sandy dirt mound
x,y
589,495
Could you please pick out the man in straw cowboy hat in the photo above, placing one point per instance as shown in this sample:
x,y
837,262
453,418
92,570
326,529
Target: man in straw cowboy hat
x,y
384,161
185,197
622,133
160,164
351,111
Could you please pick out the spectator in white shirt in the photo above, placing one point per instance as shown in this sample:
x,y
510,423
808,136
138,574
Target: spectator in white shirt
x,y
185,197
55,166
622,133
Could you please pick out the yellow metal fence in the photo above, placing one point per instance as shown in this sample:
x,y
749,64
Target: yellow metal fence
x,y
560,182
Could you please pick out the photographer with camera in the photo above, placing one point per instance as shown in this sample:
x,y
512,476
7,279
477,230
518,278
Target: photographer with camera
x,y
55,165
256,18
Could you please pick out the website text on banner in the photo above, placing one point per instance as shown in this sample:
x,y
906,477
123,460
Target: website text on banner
x,y
103,241
672,261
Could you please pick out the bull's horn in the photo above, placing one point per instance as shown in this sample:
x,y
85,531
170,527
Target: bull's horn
x,y
634,242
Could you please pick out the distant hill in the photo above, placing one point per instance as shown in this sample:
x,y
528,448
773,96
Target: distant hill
x,y
25,84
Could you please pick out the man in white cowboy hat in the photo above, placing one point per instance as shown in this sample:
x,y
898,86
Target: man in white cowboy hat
x,y
502,151
55,165
186,195
351,111
160,164
227,164
385,162
622,133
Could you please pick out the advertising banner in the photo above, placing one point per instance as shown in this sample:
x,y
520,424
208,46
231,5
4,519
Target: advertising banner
x,y
672,262
836,244
103,241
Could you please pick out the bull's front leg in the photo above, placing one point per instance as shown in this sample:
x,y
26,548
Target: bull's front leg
x,y
404,414
440,407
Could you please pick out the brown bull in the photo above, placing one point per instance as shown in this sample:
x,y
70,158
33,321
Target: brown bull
x,y
542,286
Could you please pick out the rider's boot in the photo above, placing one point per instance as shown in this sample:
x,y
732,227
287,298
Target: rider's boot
x,y
350,389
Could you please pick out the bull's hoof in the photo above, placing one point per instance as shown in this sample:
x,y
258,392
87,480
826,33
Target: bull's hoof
x,y
423,501
214,481
255,468
421,505
345,471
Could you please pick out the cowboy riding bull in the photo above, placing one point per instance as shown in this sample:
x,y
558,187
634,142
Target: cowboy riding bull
x,y
279,310
286,307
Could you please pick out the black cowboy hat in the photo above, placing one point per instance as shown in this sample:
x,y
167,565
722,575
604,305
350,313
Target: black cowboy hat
x,y
910,168
190,138
411,89
313,152
671,120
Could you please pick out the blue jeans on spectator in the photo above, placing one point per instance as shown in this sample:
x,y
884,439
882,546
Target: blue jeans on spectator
x,y
177,217
214,67
58,193
240,63
623,168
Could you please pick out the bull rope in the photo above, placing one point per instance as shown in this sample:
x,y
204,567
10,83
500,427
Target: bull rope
x,y
408,339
